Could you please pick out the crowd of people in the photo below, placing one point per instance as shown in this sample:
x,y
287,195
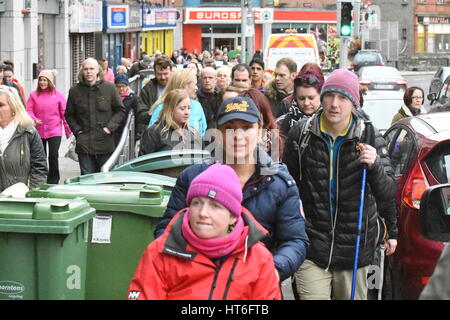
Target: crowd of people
x,y
279,196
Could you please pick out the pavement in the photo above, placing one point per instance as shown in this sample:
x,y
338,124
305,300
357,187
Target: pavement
x,y
67,167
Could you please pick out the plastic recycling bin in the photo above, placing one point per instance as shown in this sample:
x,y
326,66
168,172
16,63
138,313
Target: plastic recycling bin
x,y
169,163
119,233
43,248
124,177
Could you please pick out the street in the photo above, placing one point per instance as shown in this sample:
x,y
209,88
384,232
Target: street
x,y
70,168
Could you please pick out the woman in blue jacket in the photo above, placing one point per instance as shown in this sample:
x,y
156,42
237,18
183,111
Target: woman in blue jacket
x,y
270,192
183,79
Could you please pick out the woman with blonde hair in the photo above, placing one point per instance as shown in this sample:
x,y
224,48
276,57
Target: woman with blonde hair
x,y
182,79
172,130
22,156
223,77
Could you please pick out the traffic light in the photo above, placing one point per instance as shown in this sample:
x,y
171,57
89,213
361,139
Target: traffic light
x,y
346,19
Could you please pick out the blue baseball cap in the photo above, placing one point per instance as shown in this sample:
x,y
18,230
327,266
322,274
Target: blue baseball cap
x,y
242,108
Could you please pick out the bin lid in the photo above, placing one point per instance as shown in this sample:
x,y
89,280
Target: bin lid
x,y
124,177
144,199
30,215
164,162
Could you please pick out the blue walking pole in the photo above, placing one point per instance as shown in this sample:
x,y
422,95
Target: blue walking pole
x,y
358,236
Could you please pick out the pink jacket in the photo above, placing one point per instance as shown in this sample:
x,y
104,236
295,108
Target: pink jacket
x,y
48,107
109,75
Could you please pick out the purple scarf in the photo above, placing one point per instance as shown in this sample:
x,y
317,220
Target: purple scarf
x,y
216,247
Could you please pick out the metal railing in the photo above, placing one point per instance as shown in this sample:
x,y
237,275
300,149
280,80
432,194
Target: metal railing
x,y
125,149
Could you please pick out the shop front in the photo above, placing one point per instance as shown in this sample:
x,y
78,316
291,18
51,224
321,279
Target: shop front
x,y
158,26
111,42
433,34
85,20
219,28
132,48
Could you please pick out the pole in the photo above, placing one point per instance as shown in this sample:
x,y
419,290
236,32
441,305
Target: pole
x,y
251,29
343,52
243,31
358,236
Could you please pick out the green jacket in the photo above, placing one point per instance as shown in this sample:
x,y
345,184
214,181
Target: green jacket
x,y
404,112
89,110
24,160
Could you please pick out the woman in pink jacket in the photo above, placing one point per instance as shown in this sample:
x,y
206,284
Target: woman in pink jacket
x,y
46,106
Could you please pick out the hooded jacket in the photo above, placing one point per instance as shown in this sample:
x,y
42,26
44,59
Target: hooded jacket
x,y
405,112
276,97
48,107
272,197
172,269
24,160
333,234
148,95
89,110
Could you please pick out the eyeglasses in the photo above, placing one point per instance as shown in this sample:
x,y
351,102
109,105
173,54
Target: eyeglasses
x,y
311,80
417,97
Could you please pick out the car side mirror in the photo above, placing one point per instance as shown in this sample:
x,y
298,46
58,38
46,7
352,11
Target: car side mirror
x,y
432,96
434,214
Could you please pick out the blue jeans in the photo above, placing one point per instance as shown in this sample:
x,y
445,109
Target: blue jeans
x,y
91,163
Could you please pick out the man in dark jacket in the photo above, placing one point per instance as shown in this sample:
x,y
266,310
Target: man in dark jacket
x,y
153,89
94,111
208,95
139,65
282,85
329,175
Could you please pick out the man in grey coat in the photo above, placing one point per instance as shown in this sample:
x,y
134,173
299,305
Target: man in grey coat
x,y
94,111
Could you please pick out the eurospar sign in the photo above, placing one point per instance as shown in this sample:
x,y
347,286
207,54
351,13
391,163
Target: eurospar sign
x,y
218,15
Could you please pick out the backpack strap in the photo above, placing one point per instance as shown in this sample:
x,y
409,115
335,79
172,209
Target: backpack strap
x,y
303,141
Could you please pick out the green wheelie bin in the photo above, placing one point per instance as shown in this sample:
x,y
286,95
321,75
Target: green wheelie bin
x,y
168,163
43,248
119,233
124,177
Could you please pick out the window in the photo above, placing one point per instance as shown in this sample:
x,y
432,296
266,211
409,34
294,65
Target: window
x,y
444,93
438,161
440,1
421,1
220,1
401,149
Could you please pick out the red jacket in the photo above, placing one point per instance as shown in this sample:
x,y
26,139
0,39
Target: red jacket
x,y
171,269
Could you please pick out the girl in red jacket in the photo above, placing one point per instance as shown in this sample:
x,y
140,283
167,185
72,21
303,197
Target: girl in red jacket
x,y
210,250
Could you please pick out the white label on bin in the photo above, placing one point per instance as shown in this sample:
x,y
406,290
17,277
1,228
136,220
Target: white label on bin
x,y
101,229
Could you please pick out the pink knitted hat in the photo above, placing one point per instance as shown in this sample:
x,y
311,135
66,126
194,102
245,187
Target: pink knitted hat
x,y
344,82
49,74
219,182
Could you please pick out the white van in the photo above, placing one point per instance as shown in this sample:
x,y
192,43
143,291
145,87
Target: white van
x,y
300,47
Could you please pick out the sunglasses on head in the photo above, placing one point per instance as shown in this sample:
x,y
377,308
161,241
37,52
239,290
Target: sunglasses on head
x,y
311,80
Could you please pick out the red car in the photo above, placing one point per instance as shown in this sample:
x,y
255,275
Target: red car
x,y
419,148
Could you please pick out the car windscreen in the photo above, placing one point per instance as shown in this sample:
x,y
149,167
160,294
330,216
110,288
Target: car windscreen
x,y
365,58
382,111
438,161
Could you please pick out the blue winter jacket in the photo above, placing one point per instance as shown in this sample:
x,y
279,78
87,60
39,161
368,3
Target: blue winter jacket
x,y
271,195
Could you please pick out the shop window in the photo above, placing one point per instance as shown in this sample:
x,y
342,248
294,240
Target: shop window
x,y
221,28
282,27
220,1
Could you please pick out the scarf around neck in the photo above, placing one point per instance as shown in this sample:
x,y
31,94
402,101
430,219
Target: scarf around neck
x,y
125,93
215,247
6,134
